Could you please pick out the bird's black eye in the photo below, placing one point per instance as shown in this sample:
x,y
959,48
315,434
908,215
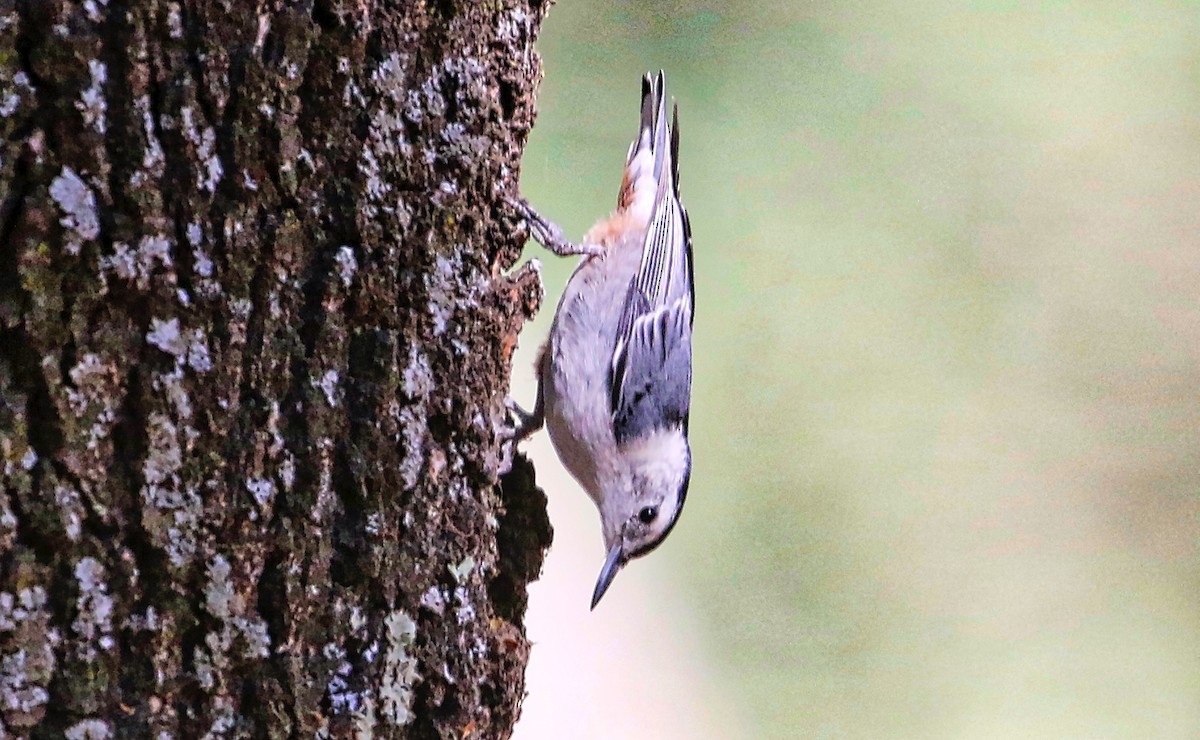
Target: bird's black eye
x,y
647,514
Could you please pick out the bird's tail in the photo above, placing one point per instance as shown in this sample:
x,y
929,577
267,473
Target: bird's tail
x,y
651,162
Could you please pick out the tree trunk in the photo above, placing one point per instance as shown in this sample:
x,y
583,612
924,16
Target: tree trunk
x,y
255,336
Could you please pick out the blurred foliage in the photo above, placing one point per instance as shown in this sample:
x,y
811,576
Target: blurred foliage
x,y
947,414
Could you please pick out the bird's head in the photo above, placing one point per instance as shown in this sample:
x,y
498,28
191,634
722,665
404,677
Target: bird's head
x,y
639,516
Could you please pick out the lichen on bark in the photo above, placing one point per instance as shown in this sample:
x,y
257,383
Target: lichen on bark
x,y
256,326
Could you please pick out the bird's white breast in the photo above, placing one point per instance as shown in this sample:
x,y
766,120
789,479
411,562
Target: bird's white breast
x,y
576,376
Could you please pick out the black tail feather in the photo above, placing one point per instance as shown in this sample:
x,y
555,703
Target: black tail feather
x,y
649,103
675,147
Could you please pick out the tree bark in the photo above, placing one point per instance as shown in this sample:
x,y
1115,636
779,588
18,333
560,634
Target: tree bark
x,y
256,328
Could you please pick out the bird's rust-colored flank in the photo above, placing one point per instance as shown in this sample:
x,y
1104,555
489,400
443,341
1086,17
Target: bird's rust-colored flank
x,y
608,230
625,195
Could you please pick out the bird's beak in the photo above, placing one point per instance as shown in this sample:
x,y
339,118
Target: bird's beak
x,y
612,564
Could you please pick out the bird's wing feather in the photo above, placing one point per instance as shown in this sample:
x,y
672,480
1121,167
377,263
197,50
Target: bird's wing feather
x,y
652,360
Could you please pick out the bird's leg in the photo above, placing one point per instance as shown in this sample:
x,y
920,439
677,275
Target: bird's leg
x,y
524,424
550,235
528,422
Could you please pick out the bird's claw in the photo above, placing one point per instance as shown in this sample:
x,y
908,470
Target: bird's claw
x,y
550,235
524,423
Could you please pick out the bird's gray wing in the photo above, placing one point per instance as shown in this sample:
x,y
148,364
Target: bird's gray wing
x,y
652,360
653,373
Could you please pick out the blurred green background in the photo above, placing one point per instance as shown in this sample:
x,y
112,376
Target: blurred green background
x,y
946,415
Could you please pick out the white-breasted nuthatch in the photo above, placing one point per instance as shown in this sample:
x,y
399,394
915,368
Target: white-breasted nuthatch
x,y
615,376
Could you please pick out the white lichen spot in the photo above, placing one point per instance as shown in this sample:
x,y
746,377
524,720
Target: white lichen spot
x,y
328,384
213,168
188,347
399,669
434,600
166,336
93,623
205,143
224,719
164,457
89,729
24,672
153,249
202,264
514,25
453,133
342,698
10,98
365,720
374,523
94,392
17,692
287,471
197,355
228,606
152,158
173,511
29,459
138,266
171,385
333,651
371,652
70,506
377,187
325,497
352,94
262,490
121,262
204,669
418,376
466,610
462,571
92,8
91,103
441,285
413,109
413,423
306,158
174,21
386,138
78,204
147,621
8,519
239,309
277,442
347,264
358,619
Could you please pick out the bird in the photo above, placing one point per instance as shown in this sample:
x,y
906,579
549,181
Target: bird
x,y
615,374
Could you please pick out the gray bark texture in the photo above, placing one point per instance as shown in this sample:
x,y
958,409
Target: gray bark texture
x,y
256,326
